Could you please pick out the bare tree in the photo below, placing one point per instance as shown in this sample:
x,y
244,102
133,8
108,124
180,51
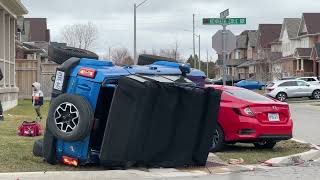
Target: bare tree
x,y
82,36
121,56
172,53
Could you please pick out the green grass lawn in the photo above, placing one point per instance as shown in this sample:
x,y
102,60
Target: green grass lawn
x,y
251,155
16,152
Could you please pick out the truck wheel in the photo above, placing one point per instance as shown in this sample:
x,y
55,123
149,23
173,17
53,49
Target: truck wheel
x,y
38,148
59,54
218,140
70,117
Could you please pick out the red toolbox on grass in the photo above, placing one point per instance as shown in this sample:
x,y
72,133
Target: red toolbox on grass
x,y
29,129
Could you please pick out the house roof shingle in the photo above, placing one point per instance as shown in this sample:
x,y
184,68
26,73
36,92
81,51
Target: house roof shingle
x,y
231,62
247,63
268,33
312,22
303,52
253,38
242,41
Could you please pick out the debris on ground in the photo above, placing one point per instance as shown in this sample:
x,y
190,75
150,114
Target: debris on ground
x,y
236,161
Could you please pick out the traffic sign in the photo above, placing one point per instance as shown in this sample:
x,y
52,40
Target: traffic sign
x,y
230,42
224,13
224,21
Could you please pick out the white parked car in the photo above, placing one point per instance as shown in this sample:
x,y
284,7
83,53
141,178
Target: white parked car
x,y
284,89
312,80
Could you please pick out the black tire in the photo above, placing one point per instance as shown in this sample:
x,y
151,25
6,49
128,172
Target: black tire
x,y
281,96
38,148
59,54
218,140
70,117
265,144
316,94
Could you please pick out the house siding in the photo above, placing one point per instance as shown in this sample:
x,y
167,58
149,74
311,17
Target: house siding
x,y
8,20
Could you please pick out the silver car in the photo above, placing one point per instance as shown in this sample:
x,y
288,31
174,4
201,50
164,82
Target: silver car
x,y
312,80
284,89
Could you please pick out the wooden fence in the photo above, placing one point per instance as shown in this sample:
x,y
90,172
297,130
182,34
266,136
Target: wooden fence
x,y
30,71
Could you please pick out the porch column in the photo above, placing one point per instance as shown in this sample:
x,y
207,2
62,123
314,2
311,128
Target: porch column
x,y
6,72
2,44
12,52
298,60
302,64
314,67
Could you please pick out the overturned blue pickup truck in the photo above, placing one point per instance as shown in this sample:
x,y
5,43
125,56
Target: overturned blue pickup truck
x,y
157,115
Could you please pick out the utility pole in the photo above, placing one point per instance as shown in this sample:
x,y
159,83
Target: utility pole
x,y
199,58
135,30
135,34
194,42
207,63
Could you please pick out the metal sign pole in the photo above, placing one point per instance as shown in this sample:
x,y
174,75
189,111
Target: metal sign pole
x,y
224,54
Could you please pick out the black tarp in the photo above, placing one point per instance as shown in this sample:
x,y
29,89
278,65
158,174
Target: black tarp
x,y
146,59
157,123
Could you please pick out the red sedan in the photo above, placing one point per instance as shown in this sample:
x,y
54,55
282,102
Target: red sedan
x,y
248,117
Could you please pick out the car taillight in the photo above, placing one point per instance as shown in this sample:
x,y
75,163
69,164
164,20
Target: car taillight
x,y
248,111
243,112
70,161
270,89
87,72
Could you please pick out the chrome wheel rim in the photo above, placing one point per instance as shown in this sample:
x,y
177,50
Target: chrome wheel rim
x,y
216,138
317,95
66,117
281,97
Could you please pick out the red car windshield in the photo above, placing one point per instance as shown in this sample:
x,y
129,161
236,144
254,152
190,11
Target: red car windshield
x,y
248,95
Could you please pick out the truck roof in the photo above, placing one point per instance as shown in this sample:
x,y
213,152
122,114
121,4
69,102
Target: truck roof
x,y
106,69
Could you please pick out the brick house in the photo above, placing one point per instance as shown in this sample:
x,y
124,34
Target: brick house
x,y
10,11
315,57
298,39
244,70
267,50
245,50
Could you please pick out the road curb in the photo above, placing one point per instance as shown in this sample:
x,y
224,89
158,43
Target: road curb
x,y
304,102
296,159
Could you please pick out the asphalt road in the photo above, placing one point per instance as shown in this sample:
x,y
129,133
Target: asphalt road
x,y
306,119
286,173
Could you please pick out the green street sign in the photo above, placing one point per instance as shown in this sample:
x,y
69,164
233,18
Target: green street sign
x,y
226,21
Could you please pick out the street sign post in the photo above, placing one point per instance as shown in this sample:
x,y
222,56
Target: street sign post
x,y
224,13
224,41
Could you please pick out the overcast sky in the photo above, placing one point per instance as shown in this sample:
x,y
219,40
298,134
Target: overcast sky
x,y
160,23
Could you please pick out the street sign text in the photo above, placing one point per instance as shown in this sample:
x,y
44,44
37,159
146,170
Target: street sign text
x,y
226,21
